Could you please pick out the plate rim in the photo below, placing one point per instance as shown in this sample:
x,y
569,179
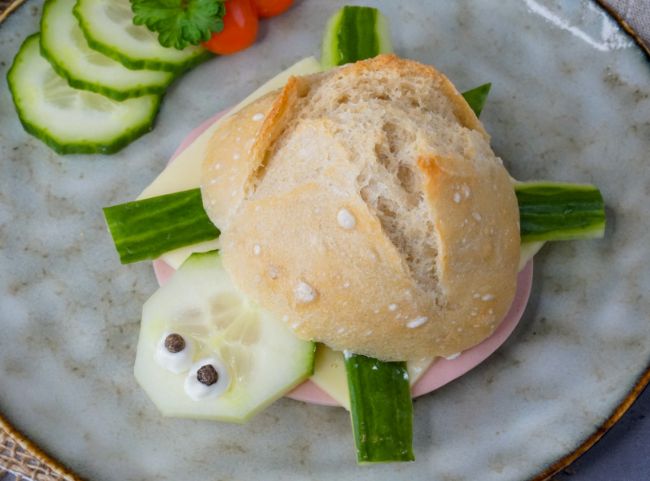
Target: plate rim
x,y
34,451
563,462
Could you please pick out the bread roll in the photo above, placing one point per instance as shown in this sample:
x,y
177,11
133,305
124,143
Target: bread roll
x,y
370,212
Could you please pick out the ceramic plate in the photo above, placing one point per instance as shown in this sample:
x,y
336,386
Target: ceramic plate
x,y
570,101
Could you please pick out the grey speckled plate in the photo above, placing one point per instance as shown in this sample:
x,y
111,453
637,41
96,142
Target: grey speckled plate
x,y
570,102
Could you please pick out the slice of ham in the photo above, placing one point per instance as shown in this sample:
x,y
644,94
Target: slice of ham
x,y
442,371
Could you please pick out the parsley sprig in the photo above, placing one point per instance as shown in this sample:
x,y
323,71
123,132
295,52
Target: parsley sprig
x,y
180,23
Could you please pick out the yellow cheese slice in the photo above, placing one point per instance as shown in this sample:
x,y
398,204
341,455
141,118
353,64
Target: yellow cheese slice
x,y
329,373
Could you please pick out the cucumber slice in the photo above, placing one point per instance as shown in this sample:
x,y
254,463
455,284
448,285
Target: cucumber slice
x,y
71,120
259,354
109,29
145,229
355,33
381,409
64,45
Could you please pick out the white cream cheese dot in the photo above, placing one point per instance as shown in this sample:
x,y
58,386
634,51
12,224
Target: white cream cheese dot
x,y
257,249
196,390
304,293
345,219
392,307
457,197
451,357
175,362
417,322
257,117
487,297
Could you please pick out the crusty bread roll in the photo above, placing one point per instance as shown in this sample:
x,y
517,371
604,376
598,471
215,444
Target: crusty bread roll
x,y
365,207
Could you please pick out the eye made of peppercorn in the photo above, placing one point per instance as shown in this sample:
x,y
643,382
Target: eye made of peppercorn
x,y
208,378
174,352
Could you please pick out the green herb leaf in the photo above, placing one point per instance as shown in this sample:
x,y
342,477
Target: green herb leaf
x,y
180,23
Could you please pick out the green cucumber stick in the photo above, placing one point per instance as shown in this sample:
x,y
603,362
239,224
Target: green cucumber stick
x,y
381,409
145,229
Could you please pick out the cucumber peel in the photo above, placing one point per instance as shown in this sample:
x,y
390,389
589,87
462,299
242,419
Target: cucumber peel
x,y
381,409
145,229
64,46
68,120
109,29
355,33
477,97
552,211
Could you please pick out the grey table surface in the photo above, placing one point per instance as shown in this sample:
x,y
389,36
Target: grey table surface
x,y
623,454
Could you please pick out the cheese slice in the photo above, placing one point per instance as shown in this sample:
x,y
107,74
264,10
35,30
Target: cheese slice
x,y
329,373
185,171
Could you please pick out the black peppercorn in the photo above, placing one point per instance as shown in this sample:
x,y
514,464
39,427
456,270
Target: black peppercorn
x,y
207,375
174,343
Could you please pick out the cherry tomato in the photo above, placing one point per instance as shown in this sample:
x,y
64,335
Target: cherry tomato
x,y
271,8
239,28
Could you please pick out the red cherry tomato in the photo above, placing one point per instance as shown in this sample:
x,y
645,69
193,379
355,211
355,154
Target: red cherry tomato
x,y
271,8
239,28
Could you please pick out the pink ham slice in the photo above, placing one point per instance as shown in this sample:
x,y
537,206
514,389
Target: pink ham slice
x,y
442,371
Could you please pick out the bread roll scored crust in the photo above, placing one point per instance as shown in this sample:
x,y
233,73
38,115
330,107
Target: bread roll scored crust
x,y
361,289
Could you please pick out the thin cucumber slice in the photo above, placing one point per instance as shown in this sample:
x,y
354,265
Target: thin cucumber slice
x,y
477,97
551,211
381,409
64,45
109,29
71,120
255,351
145,229
355,33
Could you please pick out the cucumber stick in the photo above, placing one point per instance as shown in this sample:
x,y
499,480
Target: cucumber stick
x,y
381,409
260,359
71,120
477,97
355,33
65,47
145,229
109,29
552,211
